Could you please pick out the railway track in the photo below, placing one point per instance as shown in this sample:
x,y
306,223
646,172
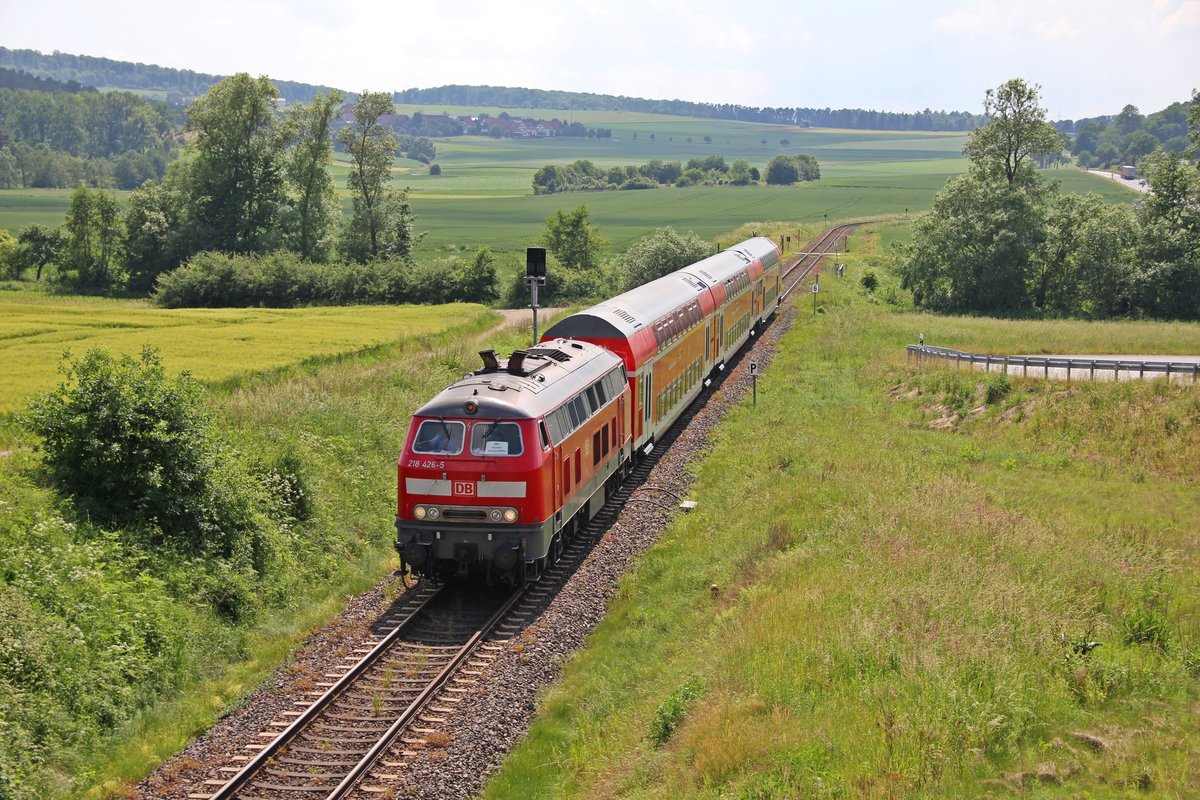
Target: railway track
x,y
355,736
381,690
803,264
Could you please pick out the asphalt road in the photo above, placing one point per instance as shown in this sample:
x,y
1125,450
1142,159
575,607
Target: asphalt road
x,y
1137,184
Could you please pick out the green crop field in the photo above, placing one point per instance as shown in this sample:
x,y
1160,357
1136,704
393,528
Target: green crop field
x,y
483,196
213,344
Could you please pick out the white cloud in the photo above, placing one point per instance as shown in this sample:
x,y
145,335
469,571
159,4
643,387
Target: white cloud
x,y
1186,16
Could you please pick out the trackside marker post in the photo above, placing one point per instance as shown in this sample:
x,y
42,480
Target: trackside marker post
x,y
754,380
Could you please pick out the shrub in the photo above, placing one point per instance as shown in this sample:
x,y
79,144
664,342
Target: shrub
x,y
137,449
997,387
670,714
869,281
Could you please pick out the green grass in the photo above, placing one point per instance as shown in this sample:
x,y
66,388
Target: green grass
x,y
896,582
342,419
213,344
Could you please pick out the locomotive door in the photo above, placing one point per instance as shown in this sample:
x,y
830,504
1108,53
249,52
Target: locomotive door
x,y
558,479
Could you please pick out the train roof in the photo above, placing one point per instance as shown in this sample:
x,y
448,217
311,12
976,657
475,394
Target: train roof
x,y
637,309
525,385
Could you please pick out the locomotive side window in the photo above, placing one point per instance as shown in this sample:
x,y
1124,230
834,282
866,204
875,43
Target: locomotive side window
x,y
574,414
439,437
496,439
581,412
555,427
544,434
593,404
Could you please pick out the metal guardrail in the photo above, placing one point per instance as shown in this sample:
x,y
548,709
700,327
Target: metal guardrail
x,y
1041,366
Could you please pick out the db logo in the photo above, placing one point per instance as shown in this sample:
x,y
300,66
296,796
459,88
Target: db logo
x,y
465,488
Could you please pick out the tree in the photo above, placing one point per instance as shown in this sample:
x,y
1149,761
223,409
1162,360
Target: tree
x,y
1016,130
314,210
476,280
573,240
235,184
39,246
782,170
974,249
1084,263
660,253
1194,123
95,240
1168,252
10,262
154,239
382,222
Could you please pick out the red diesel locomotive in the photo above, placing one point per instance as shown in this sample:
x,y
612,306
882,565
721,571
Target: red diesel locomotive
x,y
501,467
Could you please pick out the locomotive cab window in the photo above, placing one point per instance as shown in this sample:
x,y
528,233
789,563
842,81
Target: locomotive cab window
x,y
439,437
496,439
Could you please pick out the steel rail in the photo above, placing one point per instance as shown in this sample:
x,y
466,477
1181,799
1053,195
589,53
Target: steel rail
x,y
418,705
252,767
813,256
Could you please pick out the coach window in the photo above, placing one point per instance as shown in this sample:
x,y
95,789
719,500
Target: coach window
x,y
593,404
496,439
438,437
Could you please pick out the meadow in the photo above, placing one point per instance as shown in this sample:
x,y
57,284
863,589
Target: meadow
x,y
483,196
214,345
914,568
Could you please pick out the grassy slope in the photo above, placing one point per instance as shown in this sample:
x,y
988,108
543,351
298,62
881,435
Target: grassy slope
x,y
893,596
343,416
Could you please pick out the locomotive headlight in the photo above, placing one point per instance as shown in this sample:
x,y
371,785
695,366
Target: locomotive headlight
x,y
496,515
434,513
470,406
510,515
419,512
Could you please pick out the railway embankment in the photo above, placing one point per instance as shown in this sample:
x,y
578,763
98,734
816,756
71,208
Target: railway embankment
x,y
904,582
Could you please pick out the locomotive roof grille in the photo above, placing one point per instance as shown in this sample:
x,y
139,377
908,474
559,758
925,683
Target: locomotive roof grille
x,y
557,355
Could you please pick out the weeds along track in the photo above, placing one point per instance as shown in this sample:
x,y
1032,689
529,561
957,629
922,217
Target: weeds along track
x,y
802,264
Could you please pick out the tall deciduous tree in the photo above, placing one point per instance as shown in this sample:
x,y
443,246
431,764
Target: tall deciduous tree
x,y
1016,130
574,240
154,240
974,248
236,186
95,240
381,225
39,246
662,252
314,210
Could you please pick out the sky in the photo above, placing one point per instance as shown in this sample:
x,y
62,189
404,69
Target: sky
x,y
1090,57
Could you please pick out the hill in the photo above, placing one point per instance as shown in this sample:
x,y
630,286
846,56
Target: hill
x,y
176,86
181,86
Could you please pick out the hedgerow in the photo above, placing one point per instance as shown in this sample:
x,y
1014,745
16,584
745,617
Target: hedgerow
x,y
284,280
